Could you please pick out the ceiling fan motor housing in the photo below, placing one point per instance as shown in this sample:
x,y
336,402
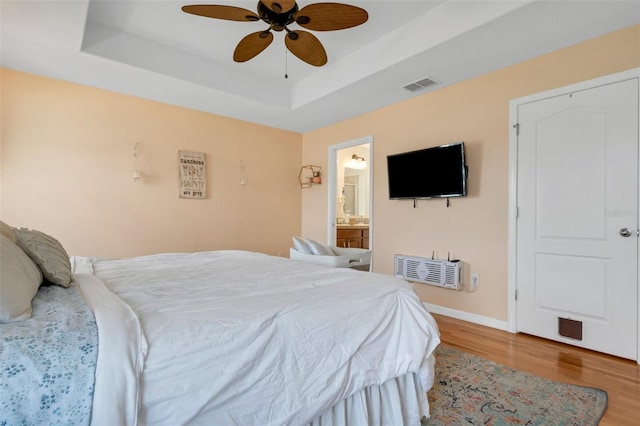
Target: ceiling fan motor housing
x,y
277,21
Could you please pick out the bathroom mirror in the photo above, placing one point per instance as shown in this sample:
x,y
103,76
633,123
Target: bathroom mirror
x,y
355,198
353,187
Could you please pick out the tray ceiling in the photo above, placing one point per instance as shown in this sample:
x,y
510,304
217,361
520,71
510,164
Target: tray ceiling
x,y
151,49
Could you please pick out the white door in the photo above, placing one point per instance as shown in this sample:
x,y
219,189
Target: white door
x,y
577,223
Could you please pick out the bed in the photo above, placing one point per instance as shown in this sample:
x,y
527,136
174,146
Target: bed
x,y
222,337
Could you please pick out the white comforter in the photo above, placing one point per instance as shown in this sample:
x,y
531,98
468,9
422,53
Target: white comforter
x,y
240,338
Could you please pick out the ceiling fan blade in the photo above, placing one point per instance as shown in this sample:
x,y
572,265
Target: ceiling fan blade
x,y
306,47
279,6
230,13
251,45
330,16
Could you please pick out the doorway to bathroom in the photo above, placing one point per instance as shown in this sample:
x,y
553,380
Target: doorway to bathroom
x,y
350,188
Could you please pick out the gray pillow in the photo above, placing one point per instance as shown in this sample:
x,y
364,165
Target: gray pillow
x,y
300,245
20,279
48,254
319,249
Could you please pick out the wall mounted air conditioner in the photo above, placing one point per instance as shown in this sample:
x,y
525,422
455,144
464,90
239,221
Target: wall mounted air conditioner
x,y
436,272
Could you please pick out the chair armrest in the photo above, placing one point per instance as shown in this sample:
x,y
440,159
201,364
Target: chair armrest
x,y
357,256
332,261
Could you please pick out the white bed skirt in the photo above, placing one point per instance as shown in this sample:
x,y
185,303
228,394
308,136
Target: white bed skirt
x,y
399,401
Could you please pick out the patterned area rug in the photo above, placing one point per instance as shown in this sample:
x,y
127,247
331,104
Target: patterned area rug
x,y
474,391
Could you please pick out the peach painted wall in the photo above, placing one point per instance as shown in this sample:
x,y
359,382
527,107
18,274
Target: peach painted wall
x,y
67,163
474,228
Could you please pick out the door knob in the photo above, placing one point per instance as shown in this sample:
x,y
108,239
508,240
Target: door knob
x,y
625,232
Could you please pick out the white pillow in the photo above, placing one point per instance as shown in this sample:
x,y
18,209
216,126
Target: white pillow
x,y
48,254
20,279
300,245
319,249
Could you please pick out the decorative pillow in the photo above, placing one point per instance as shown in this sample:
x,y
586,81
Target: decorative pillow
x,y
319,249
300,245
20,279
48,254
7,231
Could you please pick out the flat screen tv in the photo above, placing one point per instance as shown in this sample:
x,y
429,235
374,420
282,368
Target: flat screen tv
x,y
437,172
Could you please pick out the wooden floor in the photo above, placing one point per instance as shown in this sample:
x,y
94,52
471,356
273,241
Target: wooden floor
x,y
555,361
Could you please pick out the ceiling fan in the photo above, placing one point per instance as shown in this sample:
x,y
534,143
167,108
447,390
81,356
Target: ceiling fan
x,y
279,15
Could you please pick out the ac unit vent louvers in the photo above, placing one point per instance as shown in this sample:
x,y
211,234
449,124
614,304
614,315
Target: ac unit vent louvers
x,y
436,272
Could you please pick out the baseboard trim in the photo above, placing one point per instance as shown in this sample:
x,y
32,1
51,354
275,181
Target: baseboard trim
x,y
466,316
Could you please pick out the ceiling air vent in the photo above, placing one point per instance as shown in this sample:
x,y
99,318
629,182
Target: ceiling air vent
x,y
420,84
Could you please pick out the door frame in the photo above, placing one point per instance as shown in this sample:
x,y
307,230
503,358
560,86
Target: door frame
x,y
513,183
332,174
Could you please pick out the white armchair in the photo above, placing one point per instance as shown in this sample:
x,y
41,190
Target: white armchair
x,y
344,258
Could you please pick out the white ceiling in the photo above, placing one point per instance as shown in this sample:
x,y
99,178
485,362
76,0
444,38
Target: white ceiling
x,y
151,49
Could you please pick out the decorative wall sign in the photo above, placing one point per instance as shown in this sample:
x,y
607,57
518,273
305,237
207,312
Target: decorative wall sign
x,y
193,174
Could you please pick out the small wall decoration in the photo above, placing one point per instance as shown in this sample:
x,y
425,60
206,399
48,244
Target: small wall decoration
x,y
309,175
193,174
